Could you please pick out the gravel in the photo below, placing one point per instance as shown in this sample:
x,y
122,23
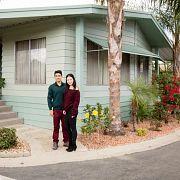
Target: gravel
x,y
99,140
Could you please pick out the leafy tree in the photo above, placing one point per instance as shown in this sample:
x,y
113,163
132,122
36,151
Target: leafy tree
x,y
169,17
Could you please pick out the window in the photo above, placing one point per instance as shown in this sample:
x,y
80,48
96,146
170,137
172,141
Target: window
x,y
31,61
125,68
97,64
143,67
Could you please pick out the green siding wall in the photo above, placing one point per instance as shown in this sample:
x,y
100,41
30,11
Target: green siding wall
x,y
30,100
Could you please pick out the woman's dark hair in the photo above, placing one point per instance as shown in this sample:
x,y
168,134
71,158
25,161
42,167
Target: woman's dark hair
x,y
58,72
74,81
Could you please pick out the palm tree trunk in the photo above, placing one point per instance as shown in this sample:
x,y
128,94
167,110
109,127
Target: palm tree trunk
x,y
115,22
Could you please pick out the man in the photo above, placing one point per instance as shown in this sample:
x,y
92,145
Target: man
x,y
55,104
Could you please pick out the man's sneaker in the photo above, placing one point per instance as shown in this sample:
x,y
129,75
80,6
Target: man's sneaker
x,y
66,144
55,146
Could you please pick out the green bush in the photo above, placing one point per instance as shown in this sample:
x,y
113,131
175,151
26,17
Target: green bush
x,y
96,119
143,112
2,82
159,114
8,138
177,115
143,96
141,131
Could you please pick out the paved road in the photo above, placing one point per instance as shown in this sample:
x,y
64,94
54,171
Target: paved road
x,y
160,164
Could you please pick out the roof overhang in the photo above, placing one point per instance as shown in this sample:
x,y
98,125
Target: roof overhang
x,y
126,48
39,12
146,21
150,28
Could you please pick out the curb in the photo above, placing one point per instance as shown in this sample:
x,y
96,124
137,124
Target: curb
x,y
7,154
61,156
5,178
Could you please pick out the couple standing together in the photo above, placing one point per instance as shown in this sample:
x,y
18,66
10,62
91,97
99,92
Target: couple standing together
x,y
63,101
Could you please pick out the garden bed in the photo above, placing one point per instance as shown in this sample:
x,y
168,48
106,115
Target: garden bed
x,y
22,149
98,141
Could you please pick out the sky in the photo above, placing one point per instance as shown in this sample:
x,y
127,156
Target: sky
x,y
5,4
8,4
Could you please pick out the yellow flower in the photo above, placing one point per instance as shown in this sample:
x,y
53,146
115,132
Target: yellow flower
x,y
87,115
95,113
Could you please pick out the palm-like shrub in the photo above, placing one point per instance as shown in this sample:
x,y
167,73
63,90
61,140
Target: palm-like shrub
x,y
143,95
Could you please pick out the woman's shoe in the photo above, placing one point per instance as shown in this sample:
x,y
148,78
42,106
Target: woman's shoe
x,y
70,149
74,148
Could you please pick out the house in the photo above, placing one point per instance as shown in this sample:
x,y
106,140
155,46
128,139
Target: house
x,y
37,41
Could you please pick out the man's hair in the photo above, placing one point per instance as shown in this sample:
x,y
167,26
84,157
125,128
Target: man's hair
x,y
58,71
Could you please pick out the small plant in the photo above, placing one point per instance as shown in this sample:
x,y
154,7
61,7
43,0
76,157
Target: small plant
x,y
106,119
2,82
89,120
159,114
96,119
177,114
143,95
141,131
143,112
8,138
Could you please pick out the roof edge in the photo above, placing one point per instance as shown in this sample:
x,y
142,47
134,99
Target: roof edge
x,y
161,30
80,9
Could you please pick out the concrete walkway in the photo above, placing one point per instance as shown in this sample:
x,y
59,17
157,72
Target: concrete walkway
x,y
5,178
42,154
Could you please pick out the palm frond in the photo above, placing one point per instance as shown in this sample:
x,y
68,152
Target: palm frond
x,y
101,2
167,20
142,92
170,4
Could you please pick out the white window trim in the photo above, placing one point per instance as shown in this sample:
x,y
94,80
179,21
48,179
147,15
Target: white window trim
x,y
29,84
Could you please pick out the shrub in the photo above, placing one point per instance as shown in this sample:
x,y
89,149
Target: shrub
x,y
141,131
169,98
143,112
177,114
96,119
2,82
143,95
8,138
169,91
159,114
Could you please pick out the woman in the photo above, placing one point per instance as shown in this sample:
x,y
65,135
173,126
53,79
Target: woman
x,y
71,103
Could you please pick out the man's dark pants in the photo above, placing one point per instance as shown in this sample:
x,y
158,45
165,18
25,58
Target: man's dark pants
x,y
58,116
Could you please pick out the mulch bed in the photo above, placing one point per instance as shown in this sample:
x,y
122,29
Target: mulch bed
x,y
99,141
22,146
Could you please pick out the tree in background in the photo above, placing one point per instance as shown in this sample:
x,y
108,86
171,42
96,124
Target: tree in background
x,y
169,18
168,14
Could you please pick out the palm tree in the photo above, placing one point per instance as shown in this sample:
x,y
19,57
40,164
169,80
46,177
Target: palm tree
x,y
143,95
169,16
115,23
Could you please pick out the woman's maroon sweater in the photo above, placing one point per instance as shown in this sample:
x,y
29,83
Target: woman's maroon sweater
x,y
71,101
